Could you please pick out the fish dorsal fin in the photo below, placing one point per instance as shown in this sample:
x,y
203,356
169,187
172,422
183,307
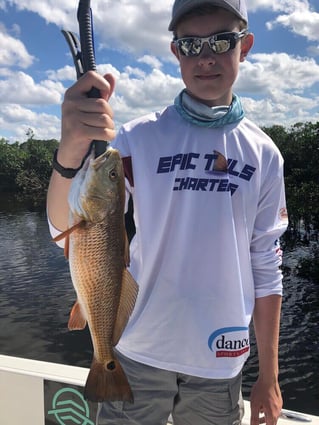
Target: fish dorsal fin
x,y
77,320
128,297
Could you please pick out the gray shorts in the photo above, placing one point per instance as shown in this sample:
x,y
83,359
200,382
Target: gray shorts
x,y
159,393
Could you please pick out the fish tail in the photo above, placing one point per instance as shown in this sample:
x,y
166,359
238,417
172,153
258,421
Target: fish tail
x,y
107,382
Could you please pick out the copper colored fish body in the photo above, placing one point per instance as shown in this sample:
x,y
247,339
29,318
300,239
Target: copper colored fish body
x,y
98,257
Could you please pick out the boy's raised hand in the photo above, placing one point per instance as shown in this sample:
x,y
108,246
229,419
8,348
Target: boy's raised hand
x,y
85,119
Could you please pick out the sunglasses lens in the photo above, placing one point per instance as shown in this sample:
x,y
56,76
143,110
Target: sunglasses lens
x,y
220,46
190,46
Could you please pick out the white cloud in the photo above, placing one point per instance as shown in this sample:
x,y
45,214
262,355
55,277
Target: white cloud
x,y
152,61
134,97
17,120
20,88
13,51
14,113
136,91
67,73
59,12
63,74
313,50
282,109
145,30
303,22
264,72
287,6
296,15
279,82
134,72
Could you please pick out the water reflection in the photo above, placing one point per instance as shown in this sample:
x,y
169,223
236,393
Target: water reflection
x,y
36,296
36,293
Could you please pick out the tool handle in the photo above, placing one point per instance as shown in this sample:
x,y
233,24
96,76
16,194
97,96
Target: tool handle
x,y
88,57
86,35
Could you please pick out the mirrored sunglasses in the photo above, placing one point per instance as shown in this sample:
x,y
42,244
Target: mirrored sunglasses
x,y
218,43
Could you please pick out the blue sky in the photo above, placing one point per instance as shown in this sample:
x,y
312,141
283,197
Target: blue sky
x,y
278,83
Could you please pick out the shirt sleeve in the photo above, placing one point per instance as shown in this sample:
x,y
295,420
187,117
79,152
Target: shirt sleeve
x,y
270,223
55,232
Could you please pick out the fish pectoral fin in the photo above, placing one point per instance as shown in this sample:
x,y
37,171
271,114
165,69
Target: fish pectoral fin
x,y
128,297
77,320
66,235
68,231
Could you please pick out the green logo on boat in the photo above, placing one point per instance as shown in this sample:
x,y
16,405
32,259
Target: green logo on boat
x,y
69,406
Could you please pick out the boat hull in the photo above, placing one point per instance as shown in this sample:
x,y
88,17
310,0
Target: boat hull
x,y
42,393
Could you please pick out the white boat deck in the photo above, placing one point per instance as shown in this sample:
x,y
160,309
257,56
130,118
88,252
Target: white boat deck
x,y
23,384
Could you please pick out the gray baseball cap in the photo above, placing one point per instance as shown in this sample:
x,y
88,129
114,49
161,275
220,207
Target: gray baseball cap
x,y
180,7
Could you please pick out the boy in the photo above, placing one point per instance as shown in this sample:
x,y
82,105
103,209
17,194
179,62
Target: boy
x,y
209,205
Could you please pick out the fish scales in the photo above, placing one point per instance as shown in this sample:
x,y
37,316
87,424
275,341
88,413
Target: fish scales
x,y
95,284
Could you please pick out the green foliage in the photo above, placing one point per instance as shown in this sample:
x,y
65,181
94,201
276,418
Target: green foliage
x,y
11,163
34,177
299,146
26,168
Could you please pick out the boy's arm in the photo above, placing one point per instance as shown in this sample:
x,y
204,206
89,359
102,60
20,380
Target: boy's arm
x,y
266,257
266,396
57,201
83,120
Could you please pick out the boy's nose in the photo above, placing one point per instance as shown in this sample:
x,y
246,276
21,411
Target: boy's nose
x,y
207,55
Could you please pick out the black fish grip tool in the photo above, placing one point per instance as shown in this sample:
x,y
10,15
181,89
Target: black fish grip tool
x,y
83,55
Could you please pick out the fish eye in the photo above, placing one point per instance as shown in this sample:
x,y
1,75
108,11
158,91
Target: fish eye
x,y
113,174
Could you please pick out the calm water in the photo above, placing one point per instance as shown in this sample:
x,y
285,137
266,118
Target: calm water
x,y
36,296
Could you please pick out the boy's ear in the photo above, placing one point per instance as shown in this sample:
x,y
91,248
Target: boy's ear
x,y
174,50
246,45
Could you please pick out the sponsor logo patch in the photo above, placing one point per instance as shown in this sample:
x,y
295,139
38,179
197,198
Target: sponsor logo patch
x,y
229,342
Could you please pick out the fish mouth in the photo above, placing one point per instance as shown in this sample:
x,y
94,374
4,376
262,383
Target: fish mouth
x,y
100,160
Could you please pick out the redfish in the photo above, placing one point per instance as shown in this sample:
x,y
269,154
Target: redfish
x,y
98,253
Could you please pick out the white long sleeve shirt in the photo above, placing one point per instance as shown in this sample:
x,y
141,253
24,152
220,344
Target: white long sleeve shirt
x,y
209,207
